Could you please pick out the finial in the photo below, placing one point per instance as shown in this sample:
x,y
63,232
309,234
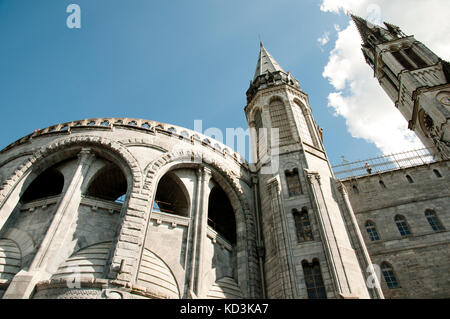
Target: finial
x,y
260,41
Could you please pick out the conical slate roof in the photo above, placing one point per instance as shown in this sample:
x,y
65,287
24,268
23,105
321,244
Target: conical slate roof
x,y
266,63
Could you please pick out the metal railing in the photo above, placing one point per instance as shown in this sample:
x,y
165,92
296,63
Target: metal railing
x,y
383,163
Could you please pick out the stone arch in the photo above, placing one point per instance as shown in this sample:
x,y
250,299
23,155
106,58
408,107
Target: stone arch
x,y
66,143
227,180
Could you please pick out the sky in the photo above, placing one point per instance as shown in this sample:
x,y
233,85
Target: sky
x,y
179,61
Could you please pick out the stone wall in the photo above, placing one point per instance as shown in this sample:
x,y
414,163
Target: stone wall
x,y
419,260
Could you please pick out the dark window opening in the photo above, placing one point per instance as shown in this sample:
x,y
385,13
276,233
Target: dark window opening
x,y
313,280
409,178
293,182
402,225
372,231
402,60
416,58
434,221
302,225
108,184
48,183
170,197
389,276
382,184
355,189
437,173
221,214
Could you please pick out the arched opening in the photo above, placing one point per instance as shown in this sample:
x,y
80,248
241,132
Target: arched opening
x,y
221,215
170,197
280,121
372,232
389,275
48,183
382,184
437,173
409,178
109,184
433,220
313,279
402,225
302,225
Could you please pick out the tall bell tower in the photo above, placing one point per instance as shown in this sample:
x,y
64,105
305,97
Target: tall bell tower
x,y
415,78
306,247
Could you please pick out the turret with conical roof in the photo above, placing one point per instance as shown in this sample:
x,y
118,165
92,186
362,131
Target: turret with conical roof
x,y
268,72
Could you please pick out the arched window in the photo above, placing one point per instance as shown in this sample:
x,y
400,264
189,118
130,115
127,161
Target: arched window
x,y
171,196
48,183
372,231
108,184
402,225
389,275
433,220
279,119
260,135
293,182
313,280
437,173
302,225
382,184
409,178
305,133
221,214
355,189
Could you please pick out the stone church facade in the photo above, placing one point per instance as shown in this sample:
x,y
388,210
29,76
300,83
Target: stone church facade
x,y
130,208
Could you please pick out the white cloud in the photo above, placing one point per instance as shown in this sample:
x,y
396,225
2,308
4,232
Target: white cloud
x,y
324,39
368,111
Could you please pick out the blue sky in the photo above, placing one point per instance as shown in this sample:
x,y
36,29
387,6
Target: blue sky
x,y
170,61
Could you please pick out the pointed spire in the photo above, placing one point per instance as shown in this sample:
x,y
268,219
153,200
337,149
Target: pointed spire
x,y
363,27
394,30
266,63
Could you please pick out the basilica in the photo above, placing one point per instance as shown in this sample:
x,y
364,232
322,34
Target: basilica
x,y
127,208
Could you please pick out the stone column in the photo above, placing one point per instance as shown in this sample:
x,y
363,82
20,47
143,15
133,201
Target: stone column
x,y
49,254
194,234
202,228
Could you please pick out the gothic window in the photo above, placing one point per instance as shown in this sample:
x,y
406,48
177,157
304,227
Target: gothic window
x,y
313,280
293,182
409,178
415,58
305,133
372,231
402,60
302,225
402,225
355,189
437,173
433,220
389,275
279,119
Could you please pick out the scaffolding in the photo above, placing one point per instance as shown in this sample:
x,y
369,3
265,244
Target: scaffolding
x,y
383,163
